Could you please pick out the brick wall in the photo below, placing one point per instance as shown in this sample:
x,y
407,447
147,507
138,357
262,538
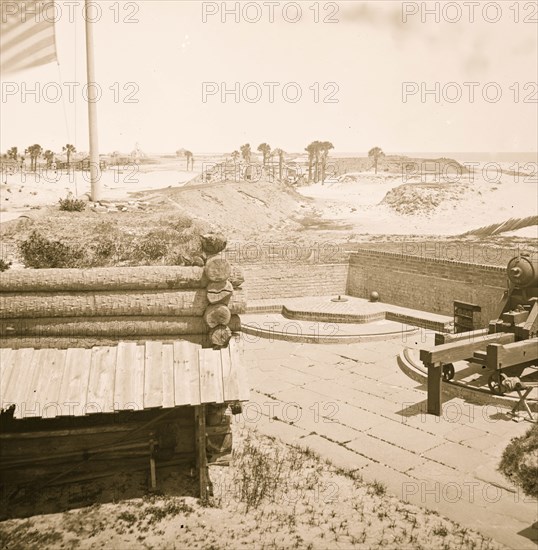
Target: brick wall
x,y
425,283
290,270
293,279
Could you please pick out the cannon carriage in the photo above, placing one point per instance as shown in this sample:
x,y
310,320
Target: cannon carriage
x,y
506,348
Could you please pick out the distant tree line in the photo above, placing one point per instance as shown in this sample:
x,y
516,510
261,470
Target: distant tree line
x,y
35,152
318,154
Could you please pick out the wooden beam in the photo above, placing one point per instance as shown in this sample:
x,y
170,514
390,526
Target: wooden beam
x,y
523,394
239,366
479,357
435,379
230,386
441,338
153,375
501,356
100,392
74,386
14,390
515,317
48,389
211,383
186,373
7,361
129,377
201,457
459,351
152,471
531,324
168,376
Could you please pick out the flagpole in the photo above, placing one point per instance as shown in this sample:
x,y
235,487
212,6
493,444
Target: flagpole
x,y
92,110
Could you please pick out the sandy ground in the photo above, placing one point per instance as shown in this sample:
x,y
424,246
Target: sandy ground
x,y
263,210
272,496
21,193
464,204
354,204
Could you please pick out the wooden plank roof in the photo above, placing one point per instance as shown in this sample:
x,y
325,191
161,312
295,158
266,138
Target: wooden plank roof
x,y
49,383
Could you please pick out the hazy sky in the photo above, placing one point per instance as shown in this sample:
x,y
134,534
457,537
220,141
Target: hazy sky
x,y
369,52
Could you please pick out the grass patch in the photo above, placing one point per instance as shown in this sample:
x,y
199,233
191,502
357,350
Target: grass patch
x,y
26,537
378,488
262,472
271,496
519,462
72,204
87,240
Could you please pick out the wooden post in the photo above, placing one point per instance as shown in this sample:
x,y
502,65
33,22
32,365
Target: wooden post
x,y
523,394
435,403
95,175
152,471
201,457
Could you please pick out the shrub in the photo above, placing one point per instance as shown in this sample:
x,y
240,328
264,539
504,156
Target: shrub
x,y
261,473
519,462
378,488
152,246
4,266
39,252
71,204
108,250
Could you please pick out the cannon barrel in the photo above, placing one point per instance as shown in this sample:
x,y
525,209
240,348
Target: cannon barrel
x,y
523,271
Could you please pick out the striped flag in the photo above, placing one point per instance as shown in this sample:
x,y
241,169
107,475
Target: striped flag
x,y
26,34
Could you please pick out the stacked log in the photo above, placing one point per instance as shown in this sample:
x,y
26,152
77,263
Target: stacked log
x,y
221,291
102,278
125,302
112,327
177,303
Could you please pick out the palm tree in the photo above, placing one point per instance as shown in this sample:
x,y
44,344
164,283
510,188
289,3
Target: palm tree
x,y
310,149
68,150
376,153
35,152
265,150
280,154
49,157
13,153
317,154
325,147
246,152
189,157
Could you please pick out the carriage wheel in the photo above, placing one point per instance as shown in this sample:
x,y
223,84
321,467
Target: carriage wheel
x,y
495,383
448,372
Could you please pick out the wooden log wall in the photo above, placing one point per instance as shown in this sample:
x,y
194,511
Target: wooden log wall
x,y
223,295
176,303
125,302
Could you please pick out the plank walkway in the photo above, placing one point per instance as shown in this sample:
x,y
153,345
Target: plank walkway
x,y
74,382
